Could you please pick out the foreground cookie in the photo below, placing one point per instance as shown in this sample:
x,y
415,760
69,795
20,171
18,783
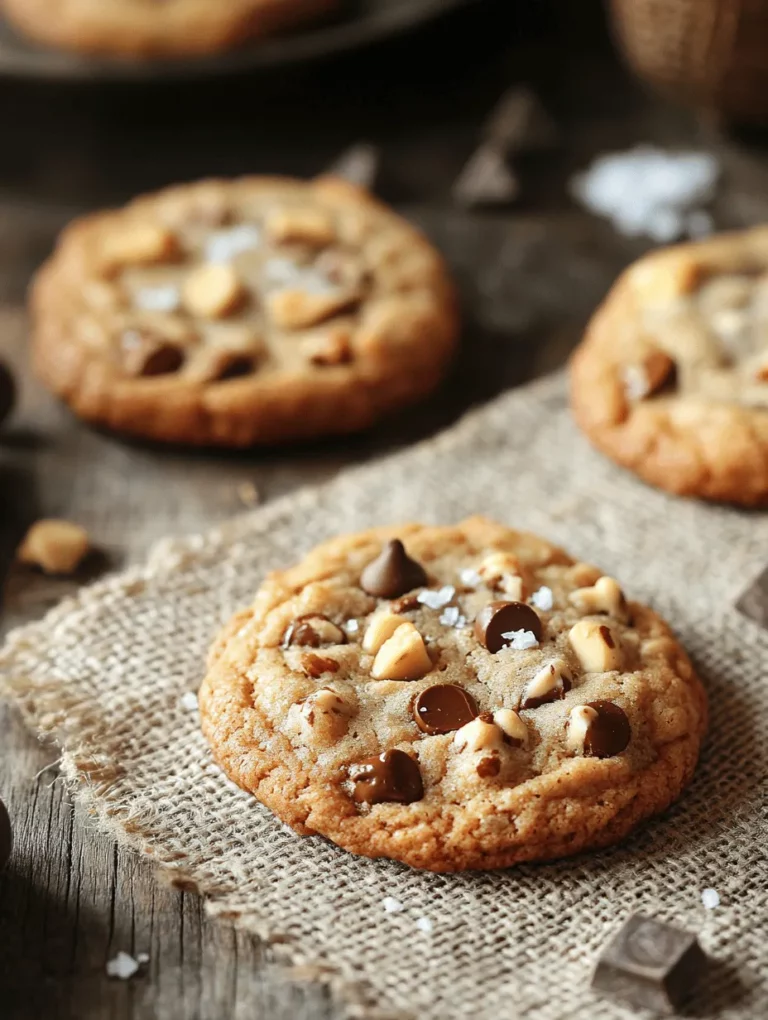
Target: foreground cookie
x,y
237,312
469,699
671,379
173,28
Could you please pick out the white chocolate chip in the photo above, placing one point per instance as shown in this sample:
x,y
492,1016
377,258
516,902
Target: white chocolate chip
x,y
580,720
322,718
57,547
605,596
212,291
404,656
549,684
512,725
381,627
307,226
479,735
501,572
596,647
140,244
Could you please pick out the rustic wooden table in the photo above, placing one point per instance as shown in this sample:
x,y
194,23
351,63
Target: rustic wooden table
x,y
529,277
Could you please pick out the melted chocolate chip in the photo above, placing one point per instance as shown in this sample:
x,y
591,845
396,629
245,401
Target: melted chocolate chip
x,y
443,708
392,573
6,836
7,392
314,630
391,776
498,618
147,355
609,733
316,665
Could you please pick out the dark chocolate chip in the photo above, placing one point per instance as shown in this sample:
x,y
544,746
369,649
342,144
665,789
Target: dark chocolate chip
x,y
391,776
443,708
6,836
392,573
498,618
314,630
316,665
234,366
7,392
609,733
650,965
147,355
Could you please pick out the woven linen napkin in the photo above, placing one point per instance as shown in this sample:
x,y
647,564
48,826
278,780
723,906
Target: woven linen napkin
x,y
109,673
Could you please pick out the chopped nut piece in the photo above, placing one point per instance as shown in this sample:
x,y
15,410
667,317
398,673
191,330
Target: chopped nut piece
x,y
482,734
550,684
584,574
316,665
327,348
599,729
56,546
321,718
500,571
597,649
380,629
305,226
314,630
512,725
605,596
138,244
292,308
213,291
404,656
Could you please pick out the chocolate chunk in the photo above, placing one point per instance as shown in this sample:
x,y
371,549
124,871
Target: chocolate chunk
x,y
146,355
234,366
499,618
650,965
6,836
7,392
443,708
391,776
392,573
314,630
609,733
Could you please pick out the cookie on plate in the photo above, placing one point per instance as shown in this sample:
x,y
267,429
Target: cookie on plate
x,y
258,310
453,697
671,379
176,28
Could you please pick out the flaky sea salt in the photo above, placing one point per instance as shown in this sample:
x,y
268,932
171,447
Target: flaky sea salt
x,y
436,599
142,958
470,578
520,639
543,599
225,245
710,898
650,191
424,924
451,616
188,701
122,966
391,905
157,299
352,626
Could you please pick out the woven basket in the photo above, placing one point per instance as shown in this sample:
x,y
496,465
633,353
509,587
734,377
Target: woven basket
x,y
712,54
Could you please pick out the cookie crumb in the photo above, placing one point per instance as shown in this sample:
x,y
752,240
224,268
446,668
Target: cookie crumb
x,y
391,905
543,599
123,966
248,494
55,546
189,701
424,924
710,898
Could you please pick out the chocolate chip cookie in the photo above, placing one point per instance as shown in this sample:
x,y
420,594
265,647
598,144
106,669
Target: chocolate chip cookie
x,y
136,28
453,697
671,379
258,310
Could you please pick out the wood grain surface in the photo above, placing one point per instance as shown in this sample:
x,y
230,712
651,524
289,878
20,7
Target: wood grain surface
x,y
529,278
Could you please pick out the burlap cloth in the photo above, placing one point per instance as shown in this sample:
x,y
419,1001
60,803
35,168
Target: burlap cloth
x,y
106,674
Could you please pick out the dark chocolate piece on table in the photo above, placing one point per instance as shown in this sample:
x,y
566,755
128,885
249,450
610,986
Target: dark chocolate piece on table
x,y
650,965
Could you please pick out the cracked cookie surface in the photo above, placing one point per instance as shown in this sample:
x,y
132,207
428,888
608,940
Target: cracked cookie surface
x,y
453,698
258,310
137,28
671,379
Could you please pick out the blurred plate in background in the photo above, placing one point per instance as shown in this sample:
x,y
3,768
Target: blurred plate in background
x,y
362,22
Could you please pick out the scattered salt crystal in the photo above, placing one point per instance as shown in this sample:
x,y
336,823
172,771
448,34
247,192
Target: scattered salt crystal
x,y
650,191
189,701
436,599
391,905
424,924
710,898
352,626
225,245
122,966
543,599
157,299
521,639
142,957
470,577
451,616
